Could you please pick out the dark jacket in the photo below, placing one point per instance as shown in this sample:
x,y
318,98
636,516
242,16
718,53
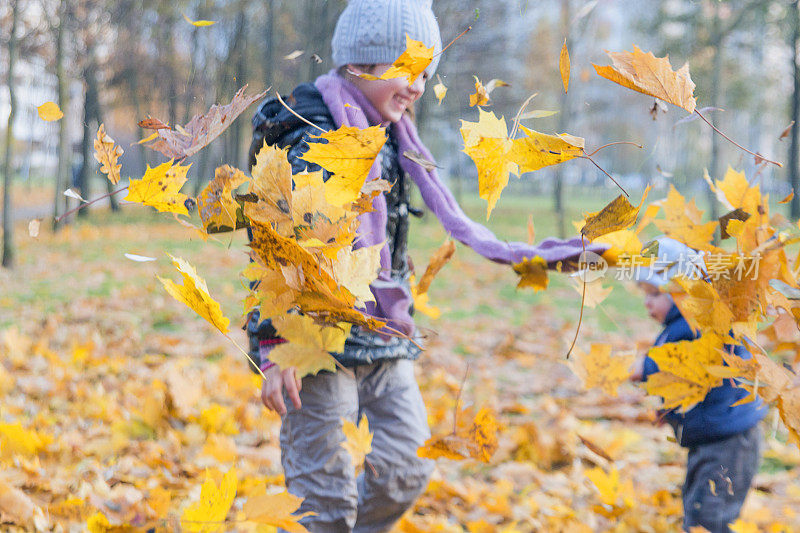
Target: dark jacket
x,y
712,419
273,124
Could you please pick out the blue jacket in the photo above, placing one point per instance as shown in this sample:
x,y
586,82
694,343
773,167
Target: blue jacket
x,y
712,419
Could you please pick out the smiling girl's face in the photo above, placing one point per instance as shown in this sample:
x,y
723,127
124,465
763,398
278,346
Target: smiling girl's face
x,y
390,97
657,303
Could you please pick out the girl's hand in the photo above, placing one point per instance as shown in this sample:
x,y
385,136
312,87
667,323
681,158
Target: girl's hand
x,y
637,370
272,389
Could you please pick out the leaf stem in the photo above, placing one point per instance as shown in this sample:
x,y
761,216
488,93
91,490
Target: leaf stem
x,y
588,156
457,37
583,300
246,355
519,114
90,202
616,142
293,112
757,156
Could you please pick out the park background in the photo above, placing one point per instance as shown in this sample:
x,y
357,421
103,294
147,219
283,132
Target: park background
x,y
125,398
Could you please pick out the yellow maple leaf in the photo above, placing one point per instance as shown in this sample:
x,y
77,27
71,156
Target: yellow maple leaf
x,y
357,440
742,526
617,215
684,378
355,270
194,293
309,345
683,222
477,439
487,143
107,154
600,369
532,273
271,183
651,75
789,411
349,154
209,513
481,96
275,510
701,305
159,188
50,112
216,205
411,63
738,193
538,150
612,492
564,65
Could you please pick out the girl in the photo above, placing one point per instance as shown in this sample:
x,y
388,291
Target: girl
x,y
369,36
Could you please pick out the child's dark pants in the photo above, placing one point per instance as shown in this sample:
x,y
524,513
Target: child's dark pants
x,y
718,476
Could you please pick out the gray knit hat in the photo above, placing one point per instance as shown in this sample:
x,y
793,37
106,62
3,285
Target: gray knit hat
x,y
374,31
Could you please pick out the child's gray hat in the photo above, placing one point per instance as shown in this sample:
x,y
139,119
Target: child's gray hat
x,y
673,259
374,31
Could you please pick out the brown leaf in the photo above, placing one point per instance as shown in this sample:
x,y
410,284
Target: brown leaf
x,y
617,215
202,129
437,262
785,133
153,124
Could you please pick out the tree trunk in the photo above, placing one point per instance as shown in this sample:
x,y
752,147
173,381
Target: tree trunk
x,y
8,220
716,91
794,172
64,151
269,41
89,114
563,118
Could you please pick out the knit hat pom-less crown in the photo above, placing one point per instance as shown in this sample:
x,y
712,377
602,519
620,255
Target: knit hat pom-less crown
x,y
374,31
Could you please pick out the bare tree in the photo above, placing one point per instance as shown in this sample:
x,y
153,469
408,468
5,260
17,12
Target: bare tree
x,y
8,219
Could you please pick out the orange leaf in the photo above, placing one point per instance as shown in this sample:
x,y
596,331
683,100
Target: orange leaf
x,y
651,75
564,65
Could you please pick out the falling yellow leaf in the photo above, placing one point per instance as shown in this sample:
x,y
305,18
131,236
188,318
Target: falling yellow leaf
x,y
532,273
218,210
788,198
411,63
480,97
50,112
531,230
683,222
355,270
538,150
616,216
357,440
477,440
421,302
199,23
107,154
160,188
702,306
600,369
440,90
194,293
147,139
275,510
349,153
651,75
683,379
487,143
564,66
309,344
209,513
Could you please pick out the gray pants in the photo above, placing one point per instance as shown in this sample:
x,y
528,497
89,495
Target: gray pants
x,y
730,464
318,469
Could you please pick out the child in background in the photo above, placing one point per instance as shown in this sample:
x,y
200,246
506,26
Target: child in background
x,y
369,36
723,441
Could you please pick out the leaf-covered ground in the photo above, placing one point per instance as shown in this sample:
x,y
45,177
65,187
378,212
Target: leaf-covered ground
x,y
116,398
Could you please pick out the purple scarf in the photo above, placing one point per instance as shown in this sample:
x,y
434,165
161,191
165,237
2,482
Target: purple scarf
x,y
349,107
